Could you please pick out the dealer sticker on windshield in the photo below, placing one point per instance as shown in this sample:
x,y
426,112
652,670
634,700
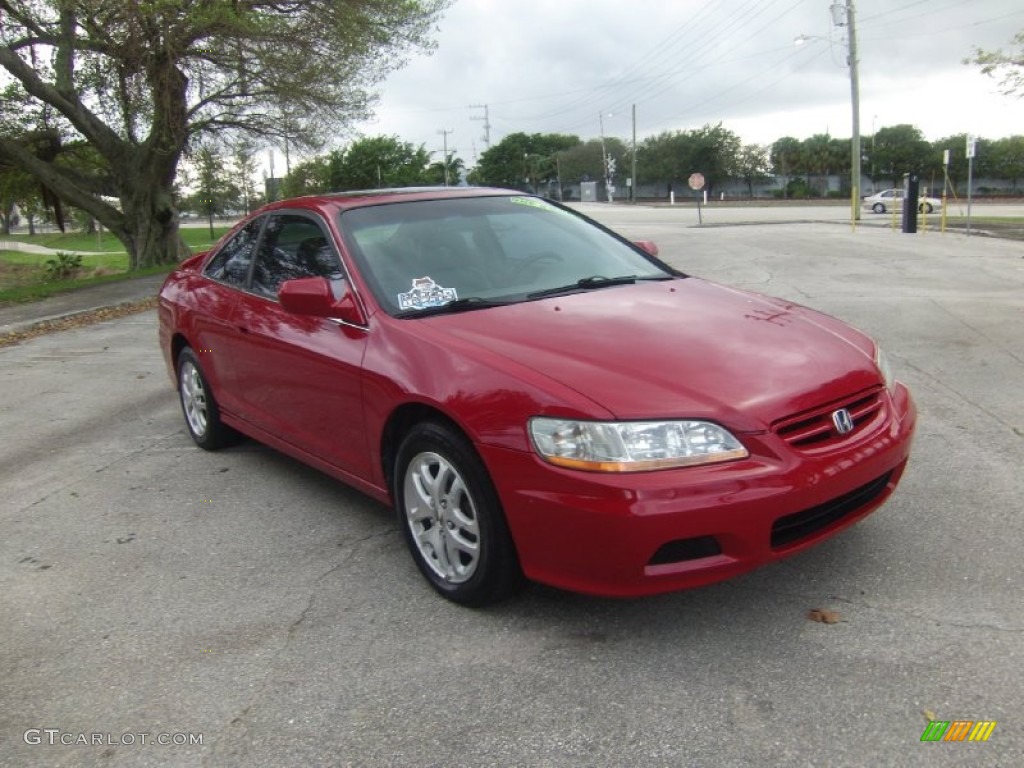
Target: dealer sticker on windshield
x,y
543,205
426,293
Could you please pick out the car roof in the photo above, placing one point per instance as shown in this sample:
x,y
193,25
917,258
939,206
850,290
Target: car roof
x,y
364,197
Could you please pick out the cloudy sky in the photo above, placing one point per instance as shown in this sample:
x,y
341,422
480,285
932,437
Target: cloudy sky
x,y
556,65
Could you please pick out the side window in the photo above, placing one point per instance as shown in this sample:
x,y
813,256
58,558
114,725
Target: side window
x,y
231,263
293,246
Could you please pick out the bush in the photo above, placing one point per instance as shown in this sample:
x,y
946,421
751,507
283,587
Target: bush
x,y
66,265
799,189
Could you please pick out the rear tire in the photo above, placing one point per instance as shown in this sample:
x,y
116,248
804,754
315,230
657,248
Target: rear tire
x,y
451,517
202,416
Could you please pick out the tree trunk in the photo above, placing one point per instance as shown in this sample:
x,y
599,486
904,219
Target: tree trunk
x,y
150,231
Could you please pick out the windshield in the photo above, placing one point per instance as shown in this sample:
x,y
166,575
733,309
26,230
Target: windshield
x,y
421,255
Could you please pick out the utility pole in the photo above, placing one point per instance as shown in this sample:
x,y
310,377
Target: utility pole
x,y
486,121
558,173
838,13
604,159
632,189
444,132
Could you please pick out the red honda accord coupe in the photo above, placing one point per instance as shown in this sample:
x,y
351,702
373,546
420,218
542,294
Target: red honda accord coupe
x,y
537,397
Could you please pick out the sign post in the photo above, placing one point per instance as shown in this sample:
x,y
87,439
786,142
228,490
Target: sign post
x,y
696,182
971,148
945,186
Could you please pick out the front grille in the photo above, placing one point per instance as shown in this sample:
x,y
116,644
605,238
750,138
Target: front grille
x,y
815,428
800,525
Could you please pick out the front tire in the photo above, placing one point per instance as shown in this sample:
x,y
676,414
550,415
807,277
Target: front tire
x,y
451,517
926,208
878,208
202,416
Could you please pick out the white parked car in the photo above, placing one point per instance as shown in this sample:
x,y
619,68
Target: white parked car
x,y
892,199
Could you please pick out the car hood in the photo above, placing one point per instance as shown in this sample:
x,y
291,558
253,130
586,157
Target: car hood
x,y
679,348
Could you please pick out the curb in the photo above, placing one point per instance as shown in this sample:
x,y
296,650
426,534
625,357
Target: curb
x,y
12,332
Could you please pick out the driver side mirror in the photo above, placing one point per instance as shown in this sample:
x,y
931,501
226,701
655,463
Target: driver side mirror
x,y
313,296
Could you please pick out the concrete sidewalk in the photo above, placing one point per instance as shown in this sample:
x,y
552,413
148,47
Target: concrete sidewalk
x,y
42,250
21,317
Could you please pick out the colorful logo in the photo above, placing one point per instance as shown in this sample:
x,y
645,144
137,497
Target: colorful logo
x,y
958,730
426,293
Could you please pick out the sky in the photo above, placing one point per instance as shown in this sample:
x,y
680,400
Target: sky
x,y
569,66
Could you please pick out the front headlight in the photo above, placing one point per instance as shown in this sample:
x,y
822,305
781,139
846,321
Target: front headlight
x,y
882,362
632,446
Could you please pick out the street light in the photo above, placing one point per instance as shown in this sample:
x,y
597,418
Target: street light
x,y
839,10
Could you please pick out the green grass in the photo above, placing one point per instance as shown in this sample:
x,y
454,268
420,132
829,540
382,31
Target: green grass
x,y
20,283
111,261
198,238
23,276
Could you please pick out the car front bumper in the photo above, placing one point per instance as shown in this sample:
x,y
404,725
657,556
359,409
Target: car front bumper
x,y
650,532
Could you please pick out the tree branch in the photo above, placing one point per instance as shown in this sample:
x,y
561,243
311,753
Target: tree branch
x,y
64,77
61,182
108,143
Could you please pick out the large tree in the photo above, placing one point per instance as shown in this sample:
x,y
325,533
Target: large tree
x,y
899,149
516,160
584,161
216,193
716,149
787,159
1006,159
752,166
673,156
142,80
824,156
371,162
244,167
376,162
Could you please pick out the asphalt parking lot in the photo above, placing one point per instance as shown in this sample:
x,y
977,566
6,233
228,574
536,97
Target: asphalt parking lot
x,y
244,600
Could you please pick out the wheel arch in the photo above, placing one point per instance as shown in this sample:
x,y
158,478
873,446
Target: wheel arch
x,y
178,343
401,420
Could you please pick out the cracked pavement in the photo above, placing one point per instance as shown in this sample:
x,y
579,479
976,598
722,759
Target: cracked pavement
x,y
147,586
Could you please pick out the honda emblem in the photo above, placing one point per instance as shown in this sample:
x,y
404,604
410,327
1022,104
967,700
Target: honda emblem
x,y
843,421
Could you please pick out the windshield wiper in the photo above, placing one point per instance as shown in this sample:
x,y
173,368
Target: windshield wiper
x,y
593,282
456,305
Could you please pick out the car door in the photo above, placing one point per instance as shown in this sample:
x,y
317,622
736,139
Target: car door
x,y
213,333
300,376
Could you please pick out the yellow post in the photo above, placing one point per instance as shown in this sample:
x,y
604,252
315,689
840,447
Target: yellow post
x,y
945,186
